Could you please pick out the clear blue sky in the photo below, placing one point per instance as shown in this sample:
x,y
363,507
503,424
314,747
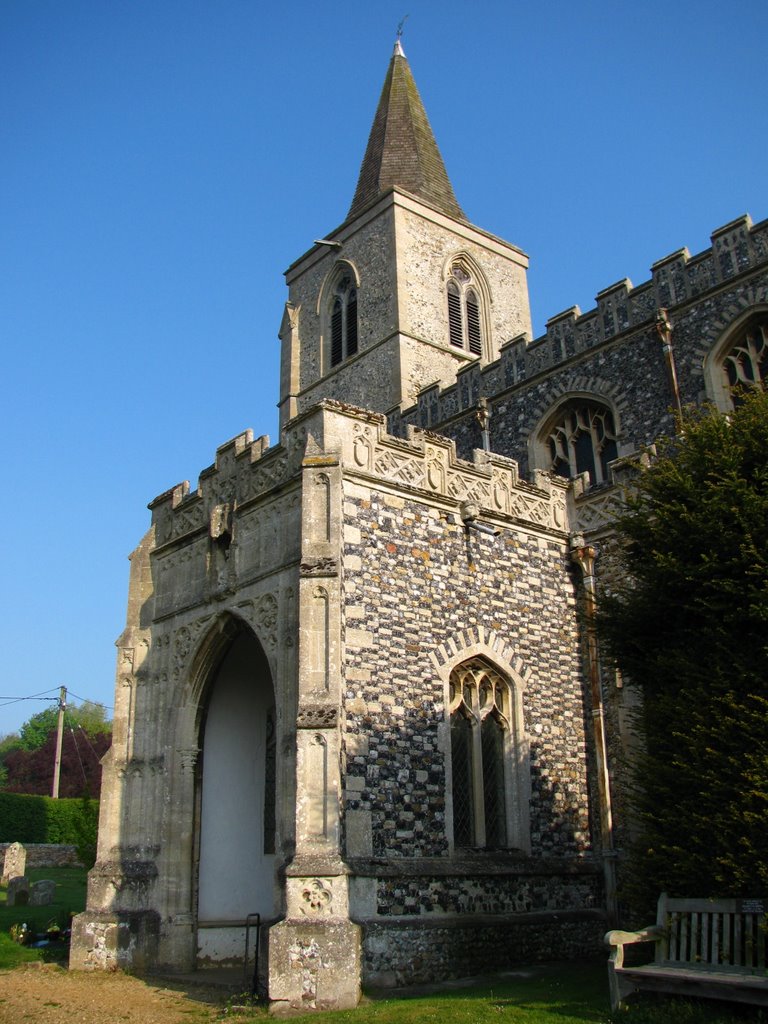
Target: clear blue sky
x,y
163,161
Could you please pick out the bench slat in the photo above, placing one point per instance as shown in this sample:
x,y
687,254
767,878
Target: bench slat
x,y
740,988
703,947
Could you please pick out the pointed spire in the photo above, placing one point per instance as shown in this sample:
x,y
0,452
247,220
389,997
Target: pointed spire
x,y
402,152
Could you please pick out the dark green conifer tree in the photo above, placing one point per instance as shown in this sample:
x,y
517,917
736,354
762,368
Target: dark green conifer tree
x,y
689,625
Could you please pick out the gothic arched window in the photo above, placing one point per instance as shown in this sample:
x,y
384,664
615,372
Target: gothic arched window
x,y
343,320
481,757
739,361
464,311
582,439
744,364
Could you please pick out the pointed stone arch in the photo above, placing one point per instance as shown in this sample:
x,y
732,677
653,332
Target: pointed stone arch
x,y
338,312
227,716
713,332
463,277
745,321
476,649
579,393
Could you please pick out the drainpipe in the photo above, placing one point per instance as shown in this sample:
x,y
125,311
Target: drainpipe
x,y
583,556
663,327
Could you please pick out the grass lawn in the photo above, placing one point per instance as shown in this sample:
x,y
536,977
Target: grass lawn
x,y
69,899
568,994
550,994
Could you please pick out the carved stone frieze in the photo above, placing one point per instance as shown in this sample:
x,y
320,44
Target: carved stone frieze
x,y
316,716
492,482
263,614
183,521
319,567
599,511
184,642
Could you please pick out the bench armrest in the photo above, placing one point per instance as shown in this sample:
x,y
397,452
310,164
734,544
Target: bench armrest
x,y
618,939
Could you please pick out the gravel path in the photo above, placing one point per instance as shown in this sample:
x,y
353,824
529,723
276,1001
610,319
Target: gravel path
x,y
48,994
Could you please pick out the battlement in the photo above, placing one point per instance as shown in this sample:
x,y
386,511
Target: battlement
x,y
242,467
737,247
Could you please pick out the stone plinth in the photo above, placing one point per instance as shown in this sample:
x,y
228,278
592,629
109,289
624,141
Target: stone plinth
x,y
314,965
121,941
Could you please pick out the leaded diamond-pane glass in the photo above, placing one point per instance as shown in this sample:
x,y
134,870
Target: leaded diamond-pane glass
x,y
492,738
461,761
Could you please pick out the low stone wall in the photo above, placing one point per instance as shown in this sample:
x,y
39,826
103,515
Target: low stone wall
x,y
407,952
46,855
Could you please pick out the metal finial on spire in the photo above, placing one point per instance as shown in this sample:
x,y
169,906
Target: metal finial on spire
x,y
398,41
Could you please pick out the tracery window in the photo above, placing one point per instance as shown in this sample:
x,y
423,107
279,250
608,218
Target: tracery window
x,y
582,440
343,320
464,311
481,756
745,363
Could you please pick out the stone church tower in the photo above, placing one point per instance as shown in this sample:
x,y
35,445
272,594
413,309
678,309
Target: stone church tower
x,y
405,238
353,693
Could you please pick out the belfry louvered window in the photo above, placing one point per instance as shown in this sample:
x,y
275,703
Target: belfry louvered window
x,y
464,312
343,321
582,440
481,743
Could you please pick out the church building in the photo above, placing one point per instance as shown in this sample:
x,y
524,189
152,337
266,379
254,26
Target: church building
x,y
357,692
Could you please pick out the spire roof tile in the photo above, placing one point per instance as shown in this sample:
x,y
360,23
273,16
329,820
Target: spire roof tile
x,y
402,152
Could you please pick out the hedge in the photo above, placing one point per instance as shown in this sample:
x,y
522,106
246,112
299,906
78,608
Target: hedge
x,y
41,819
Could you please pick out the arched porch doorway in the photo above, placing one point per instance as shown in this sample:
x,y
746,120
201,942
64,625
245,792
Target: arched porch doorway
x,y
236,873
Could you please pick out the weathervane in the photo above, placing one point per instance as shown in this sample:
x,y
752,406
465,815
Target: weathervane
x,y
400,27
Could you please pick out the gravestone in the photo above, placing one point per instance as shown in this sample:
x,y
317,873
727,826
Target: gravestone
x,y
15,861
41,893
18,891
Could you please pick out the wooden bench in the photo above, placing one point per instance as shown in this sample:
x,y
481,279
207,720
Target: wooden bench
x,y
710,949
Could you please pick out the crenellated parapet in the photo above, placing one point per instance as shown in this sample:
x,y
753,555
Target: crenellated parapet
x,y
426,464
244,470
247,471
679,278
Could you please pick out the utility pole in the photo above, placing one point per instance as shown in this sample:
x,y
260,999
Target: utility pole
x,y
59,738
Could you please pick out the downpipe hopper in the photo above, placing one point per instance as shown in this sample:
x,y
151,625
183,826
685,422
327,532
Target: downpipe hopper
x,y
469,511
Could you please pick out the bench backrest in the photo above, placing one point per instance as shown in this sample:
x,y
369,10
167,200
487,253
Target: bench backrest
x,y
713,933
